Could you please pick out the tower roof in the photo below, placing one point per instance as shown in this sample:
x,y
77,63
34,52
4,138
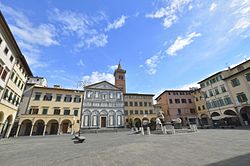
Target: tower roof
x,y
119,69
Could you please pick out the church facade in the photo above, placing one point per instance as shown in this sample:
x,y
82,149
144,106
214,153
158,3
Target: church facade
x,y
103,106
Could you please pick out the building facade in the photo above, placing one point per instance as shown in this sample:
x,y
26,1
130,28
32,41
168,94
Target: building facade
x,y
103,106
138,108
14,72
238,81
201,108
178,104
51,111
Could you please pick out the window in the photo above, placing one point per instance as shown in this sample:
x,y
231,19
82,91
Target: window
x,y
192,111
67,98
146,111
221,102
96,94
6,94
126,103
131,112
211,93
47,97
77,99
136,104
170,101
140,104
149,104
141,111
242,97
177,101
14,99
248,77
118,95
10,96
58,97
197,99
37,96
183,100
17,101
151,111
1,68
35,111
179,111
4,74
131,104
89,94
15,81
199,108
45,111
228,100
66,112
216,91
189,100
202,85
145,104
6,50
223,89
136,111
11,58
57,111
126,112
120,77
235,82
19,83
76,112
203,107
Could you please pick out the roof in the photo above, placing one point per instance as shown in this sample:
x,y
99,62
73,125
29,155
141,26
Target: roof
x,y
210,76
100,83
236,73
13,41
52,88
138,94
173,91
119,69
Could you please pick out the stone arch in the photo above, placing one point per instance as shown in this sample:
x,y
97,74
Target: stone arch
x,y
66,126
215,114
137,122
145,121
25,127
103,113
38,127
52,127
245,113
204,119
111,118
86,118
7,126
1,116
230,112
152,124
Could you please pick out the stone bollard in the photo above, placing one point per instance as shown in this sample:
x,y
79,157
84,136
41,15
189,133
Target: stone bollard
x,y
148,131
142,131
164,130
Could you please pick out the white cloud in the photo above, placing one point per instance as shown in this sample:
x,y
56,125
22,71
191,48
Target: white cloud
x,y
213,7
80,63
170,12
188,86
242,15
152,63
112,67
82,26
118,23
30,37
181,42
97,77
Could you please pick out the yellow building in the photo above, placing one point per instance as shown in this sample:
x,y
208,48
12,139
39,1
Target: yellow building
x,y
14,71
201,109
238,82
51,111
138,108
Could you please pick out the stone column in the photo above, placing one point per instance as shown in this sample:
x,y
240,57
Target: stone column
x,y
1,127
18,129
59,128
142,131
44,130
148,131
9,130
31,130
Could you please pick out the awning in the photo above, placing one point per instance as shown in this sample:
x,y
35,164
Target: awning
x,y
223,116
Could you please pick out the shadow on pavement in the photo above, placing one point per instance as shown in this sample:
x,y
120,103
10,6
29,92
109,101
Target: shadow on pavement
x,y
243,160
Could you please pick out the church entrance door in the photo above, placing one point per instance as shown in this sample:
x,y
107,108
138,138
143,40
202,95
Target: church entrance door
x,y
103,121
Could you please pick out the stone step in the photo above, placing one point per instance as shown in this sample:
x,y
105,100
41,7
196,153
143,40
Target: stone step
x,y
105,130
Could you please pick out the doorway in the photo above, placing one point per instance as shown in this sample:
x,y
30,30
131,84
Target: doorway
x,y
103,121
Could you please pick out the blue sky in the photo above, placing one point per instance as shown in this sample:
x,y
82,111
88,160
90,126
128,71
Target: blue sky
x,y
162,44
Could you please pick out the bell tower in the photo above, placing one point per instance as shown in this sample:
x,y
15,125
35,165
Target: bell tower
x,y
120,80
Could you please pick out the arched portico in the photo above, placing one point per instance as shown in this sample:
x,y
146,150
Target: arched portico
x,y
245,113
204,119
66,126
38,128
145,121
52,127
25,128
137,122
7,125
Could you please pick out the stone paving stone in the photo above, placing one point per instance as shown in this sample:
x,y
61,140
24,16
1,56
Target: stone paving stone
x,y
205,147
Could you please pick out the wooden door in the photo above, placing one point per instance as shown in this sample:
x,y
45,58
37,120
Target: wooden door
x,y
65,127
103,121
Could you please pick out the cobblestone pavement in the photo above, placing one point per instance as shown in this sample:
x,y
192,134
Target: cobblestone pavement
x,y
206,147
